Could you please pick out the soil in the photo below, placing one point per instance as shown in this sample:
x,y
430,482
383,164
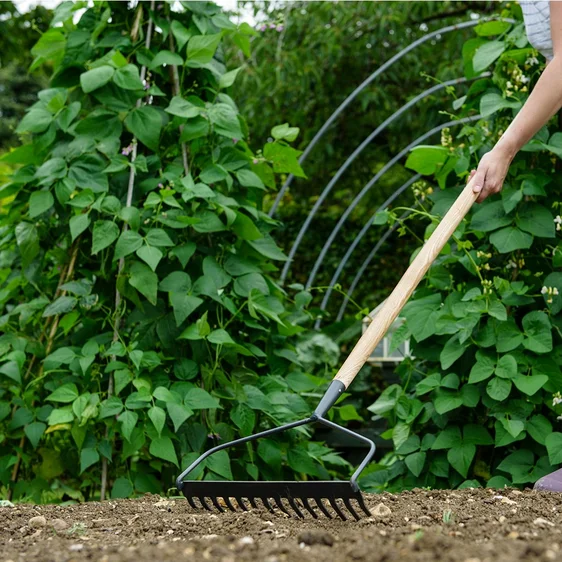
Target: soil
x,y
421,525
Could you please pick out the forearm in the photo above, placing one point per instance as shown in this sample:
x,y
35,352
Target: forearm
x,y
543,102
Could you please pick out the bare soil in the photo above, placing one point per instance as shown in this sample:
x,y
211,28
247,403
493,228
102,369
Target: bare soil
x,y
421,525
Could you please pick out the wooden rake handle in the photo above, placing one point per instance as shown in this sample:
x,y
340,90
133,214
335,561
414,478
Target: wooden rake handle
x,y
402,292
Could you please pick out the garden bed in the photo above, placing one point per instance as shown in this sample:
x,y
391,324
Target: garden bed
x,y
465,526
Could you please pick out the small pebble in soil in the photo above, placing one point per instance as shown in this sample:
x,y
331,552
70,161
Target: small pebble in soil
x,y
6,503
540,522
37,522
315,537
245,541
502,519
76,547
382,511
59,524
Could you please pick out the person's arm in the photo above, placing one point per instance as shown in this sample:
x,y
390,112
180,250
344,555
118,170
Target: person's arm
x,y
544,101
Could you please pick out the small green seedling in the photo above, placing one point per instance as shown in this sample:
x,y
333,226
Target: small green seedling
x,y
448,517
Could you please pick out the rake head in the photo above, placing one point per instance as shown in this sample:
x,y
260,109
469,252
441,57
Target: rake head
x,y
290,498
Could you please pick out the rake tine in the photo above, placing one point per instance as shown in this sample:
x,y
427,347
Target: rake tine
x,y
309,508
191,502
241,503
253,503
280,505
228,503
337,509
295,507
204,503
362,505
268,505
351,509
322,508
217,504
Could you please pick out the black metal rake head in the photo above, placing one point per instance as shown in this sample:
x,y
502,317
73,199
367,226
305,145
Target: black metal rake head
x,y
291,498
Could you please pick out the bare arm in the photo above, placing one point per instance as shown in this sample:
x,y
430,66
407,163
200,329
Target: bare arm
x,y
544,101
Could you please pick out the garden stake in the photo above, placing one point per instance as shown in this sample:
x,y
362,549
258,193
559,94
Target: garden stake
x,y
299,495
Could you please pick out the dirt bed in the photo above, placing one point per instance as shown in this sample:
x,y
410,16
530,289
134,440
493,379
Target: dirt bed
x,y
464,526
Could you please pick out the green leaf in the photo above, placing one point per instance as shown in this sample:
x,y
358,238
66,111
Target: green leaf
x,y
499,389
65,393
427,160
181,34
510,239
219,463
60,306
490,216
245,228
105,233
34,431
200,399
182,108
518,463
150,255
163,448
78,224
35,121
492,28
39,202
201,49
96,78
508,336
166,57
482,369
553,443
538,330
122,488
110,407
60,415
461,457
539,428
513,427
284,158
507,367
491,103
427,384
158,237
485,55
300,461
476,435
554,280
284,132
530,385
415,463
158,417
27,239
268,248
537,220
446,402
88,457
128,422
226,80
244,418
128,242
128,78
178,414
145,123
145,281
247,178
452,351
225,121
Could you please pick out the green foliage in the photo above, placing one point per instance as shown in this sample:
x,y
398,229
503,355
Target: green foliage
x,y
140,315
478,404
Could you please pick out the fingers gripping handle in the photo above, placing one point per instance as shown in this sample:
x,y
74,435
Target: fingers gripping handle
x,y
402,292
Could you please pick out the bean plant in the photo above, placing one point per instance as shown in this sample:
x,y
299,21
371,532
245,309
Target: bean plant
x,y
479,402
142,322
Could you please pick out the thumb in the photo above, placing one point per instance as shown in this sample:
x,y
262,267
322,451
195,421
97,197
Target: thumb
x,y
478,181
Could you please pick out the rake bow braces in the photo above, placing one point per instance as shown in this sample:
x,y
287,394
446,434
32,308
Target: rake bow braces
x,y
298,495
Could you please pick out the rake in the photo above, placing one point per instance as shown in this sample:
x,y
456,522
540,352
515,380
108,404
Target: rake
x,y
301,497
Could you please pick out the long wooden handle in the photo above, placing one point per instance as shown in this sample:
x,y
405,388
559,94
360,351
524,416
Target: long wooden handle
x,y
402,292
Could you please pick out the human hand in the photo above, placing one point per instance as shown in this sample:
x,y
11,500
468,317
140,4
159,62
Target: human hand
x,y
490,174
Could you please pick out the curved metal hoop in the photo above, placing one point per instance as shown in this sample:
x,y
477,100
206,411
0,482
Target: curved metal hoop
x,y
358,239
365,83
326,191
370,184
364,265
